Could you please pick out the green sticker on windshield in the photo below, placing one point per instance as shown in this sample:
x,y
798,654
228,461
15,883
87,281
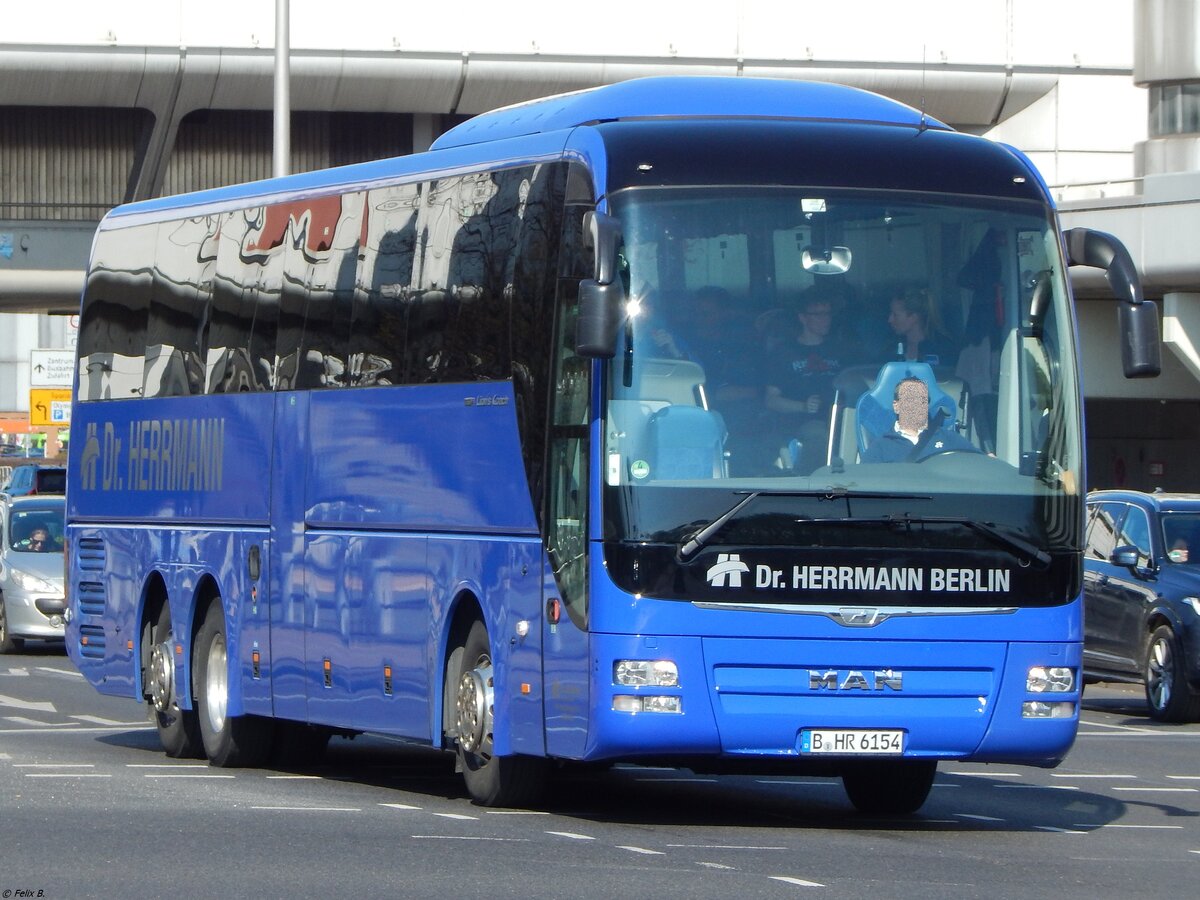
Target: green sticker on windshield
x,y
639,468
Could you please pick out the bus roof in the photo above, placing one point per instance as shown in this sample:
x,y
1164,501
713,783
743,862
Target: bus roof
x,y
686,97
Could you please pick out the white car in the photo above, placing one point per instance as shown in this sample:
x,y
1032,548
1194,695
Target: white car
x,y
32,599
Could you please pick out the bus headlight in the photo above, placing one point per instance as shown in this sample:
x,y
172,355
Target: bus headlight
x,y
640,672
1037,709
648,704
1050,680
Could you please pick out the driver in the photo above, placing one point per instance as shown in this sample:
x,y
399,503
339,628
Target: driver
x,y
912,438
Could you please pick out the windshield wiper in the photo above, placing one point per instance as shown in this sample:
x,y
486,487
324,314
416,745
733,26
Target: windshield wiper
x,y
699,539
1019,545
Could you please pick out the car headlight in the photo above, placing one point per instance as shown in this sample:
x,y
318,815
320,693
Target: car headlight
x,y
32,583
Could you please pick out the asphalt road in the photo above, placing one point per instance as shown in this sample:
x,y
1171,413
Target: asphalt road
x,y
92,808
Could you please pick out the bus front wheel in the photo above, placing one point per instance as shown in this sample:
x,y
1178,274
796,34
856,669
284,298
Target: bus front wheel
x,y
178,729
491,780
889,787
229,741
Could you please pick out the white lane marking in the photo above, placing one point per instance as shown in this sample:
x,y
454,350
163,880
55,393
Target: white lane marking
x,y
572,835
293,778
166,765
1039,787
31,705
66,775
983,773
1184,777
399,806
467,837
308,808
712,865
787,879
1055,830
774,781
641,850
185,775
21,720
459,816
720,847
54,765
1082,775
1143,827
67,673
17,672
516,812
96,720
1161,790
69,728
978,818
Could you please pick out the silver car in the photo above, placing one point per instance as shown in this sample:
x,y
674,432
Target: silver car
x,y
32,600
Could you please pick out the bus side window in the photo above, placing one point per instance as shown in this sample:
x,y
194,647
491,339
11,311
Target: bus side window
x,y
227,361
112,329
383,299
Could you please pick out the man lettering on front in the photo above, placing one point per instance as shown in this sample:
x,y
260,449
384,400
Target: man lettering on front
x,y
909,440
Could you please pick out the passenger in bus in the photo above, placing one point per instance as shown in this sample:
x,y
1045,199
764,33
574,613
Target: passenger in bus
x,y
914,319
913,437
800,382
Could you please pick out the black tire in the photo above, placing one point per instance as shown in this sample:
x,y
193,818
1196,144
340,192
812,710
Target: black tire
x,y
889,787
178,729
1168,693
8,643
512,781
229,741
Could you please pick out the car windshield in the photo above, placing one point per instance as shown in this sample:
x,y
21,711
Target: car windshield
x,y
36,528
1181,536
909,356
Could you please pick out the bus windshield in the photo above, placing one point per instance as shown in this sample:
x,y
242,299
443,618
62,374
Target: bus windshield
x,y
868,368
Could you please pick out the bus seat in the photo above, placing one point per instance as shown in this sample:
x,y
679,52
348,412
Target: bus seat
x,y
874,413
674,381
685,442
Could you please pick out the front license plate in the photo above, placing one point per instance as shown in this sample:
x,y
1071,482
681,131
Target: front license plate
x,y
852,742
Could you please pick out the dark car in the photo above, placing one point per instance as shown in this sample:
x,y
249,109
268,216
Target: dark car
x,y
35,479
1141,593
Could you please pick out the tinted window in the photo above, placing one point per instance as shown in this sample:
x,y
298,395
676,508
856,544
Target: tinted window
x,y
1102,533
383,302
1135,532
229,369
112,325
178,316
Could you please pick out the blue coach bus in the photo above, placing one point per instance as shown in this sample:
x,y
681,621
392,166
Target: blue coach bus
x,y
481,447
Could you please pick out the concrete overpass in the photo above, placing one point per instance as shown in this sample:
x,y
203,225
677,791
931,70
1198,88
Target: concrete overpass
x,y
100,104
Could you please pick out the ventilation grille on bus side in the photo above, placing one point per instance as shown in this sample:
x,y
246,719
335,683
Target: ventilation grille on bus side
x,y
91,593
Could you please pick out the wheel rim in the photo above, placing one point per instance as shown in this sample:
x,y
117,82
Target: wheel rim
x,y
473,706
162,676
216,684
1159,671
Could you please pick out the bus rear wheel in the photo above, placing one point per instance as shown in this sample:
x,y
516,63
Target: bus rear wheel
x,y
491,780
178,729
890,787
229,741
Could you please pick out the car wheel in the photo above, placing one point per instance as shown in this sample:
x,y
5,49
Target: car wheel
x,y
178,729
229,741
8,643
491,780
1168,694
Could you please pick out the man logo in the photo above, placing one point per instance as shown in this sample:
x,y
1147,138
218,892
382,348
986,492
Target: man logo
x,y
728,571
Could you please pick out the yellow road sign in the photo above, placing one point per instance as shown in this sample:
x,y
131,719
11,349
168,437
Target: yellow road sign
x,y
50,406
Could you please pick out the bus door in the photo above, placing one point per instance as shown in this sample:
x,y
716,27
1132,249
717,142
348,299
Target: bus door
x,y
568,482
